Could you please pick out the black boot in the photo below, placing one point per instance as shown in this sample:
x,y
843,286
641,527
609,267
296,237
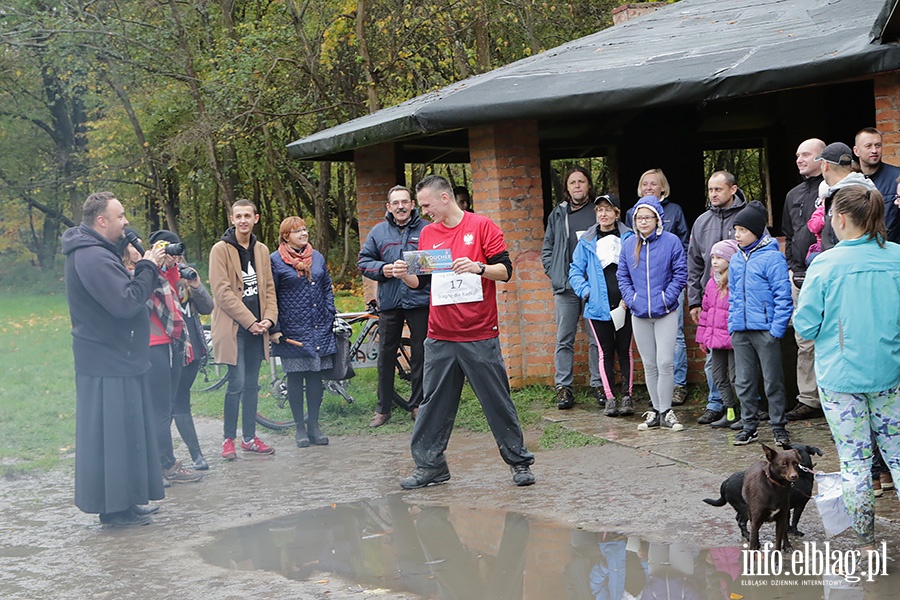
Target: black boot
x,y
300,436
185,425
312,421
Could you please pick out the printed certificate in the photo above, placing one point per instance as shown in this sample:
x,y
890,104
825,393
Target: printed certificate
x,y
426,262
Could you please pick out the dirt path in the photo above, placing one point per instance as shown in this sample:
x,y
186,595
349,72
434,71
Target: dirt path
x,y
48,549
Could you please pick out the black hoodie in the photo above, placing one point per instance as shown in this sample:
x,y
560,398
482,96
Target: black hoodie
x,y
251,283
110,320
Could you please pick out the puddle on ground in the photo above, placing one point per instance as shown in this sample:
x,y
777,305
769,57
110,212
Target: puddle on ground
x,y
458,553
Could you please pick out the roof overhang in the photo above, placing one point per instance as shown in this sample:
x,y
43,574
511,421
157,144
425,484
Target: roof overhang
x,y
691,52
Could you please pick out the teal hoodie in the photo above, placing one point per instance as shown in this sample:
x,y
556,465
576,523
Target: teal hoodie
x,y
849,306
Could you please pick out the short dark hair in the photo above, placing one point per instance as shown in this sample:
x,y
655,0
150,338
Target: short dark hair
x,y
399,188
871,130
244,202
729,178
436,183
94,206
462,190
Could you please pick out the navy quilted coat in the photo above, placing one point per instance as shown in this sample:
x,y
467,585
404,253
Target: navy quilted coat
x,y
759,290
651,287
305,308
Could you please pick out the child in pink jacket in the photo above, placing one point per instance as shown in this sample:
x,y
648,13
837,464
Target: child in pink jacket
x,y
712,330
816,223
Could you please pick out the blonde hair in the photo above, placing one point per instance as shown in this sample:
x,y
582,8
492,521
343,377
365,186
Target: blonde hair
x,y
664,189
722,282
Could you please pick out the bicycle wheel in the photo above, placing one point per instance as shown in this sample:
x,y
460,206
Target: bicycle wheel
x,y
402,388
211,375
273,410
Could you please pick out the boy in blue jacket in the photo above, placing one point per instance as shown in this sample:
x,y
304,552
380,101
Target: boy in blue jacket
x,y
759,309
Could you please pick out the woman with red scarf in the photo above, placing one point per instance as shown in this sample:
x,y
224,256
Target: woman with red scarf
x,y
305,317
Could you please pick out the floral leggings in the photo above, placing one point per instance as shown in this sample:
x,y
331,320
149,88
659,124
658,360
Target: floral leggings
x,y
853,418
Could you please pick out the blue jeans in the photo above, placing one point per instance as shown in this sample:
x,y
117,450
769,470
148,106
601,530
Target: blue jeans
x,y
714,402
681,365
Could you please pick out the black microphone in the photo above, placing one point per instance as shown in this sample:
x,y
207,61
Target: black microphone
x,y
133,240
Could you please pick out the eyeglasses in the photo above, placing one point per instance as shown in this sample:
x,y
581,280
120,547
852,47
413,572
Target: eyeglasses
x,y
396,203
303,230
644,218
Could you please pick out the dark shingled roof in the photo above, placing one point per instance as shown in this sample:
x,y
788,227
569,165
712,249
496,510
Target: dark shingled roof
x,y
688,52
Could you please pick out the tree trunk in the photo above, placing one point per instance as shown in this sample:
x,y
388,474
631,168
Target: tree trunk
x,y
323,239
368,69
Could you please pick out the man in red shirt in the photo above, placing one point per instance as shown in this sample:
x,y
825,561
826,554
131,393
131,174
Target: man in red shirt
x,y
463,332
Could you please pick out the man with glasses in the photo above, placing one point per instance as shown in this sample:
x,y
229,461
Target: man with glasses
x,y
397,302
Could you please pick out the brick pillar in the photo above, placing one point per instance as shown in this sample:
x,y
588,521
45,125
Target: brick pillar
x,y
887,114
377,171
506,187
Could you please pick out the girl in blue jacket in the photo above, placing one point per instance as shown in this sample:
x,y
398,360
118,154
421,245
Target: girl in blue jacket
x,y
652,274
849,307
592,276
759,310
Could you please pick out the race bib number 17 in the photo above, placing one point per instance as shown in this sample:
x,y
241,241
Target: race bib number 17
x,y
448,287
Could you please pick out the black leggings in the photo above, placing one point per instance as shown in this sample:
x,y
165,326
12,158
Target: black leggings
x,y
313,387
612,343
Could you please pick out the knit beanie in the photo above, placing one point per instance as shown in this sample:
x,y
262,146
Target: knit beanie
x,y
164,235
753,217
724,249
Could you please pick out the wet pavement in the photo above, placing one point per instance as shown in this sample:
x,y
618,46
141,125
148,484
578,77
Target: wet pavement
x,y
621,520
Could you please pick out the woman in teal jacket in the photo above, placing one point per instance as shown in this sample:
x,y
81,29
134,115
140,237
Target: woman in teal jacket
x,y
849,306
592,276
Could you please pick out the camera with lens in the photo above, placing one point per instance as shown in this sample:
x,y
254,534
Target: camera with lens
x,y
172,249
187,273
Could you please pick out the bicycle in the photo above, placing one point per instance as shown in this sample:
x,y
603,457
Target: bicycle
x,y
277,415
211,375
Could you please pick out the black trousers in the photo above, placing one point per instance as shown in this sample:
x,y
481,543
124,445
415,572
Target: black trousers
x,y
447,367
390,334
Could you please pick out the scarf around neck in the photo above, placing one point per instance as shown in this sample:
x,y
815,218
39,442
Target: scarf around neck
x,y
302,260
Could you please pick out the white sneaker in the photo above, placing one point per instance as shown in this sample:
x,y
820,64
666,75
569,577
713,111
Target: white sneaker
x,y
671,421
651,419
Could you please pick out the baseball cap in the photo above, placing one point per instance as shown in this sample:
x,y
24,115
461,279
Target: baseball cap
x,y
836,153
610,199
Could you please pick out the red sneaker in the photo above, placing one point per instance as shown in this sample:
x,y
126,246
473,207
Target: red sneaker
x,y
256,445
228,452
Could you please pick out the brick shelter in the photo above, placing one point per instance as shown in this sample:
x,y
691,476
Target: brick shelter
x,y
651,92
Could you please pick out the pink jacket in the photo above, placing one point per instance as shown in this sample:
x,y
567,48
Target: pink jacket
x,y
712,331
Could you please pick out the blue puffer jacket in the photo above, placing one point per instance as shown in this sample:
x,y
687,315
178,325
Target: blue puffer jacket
x,y
386,243
759,290
651,287
305,308
586,273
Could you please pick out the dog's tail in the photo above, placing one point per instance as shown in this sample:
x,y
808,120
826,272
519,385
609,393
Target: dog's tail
x,y
721,501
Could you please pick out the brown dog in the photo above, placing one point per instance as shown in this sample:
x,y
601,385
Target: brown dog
x,y
767,491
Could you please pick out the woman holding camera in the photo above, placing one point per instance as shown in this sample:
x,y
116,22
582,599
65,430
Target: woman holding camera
x,y
170,350
304,337
195,300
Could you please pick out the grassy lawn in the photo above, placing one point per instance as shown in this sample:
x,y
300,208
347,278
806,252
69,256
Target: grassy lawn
x,y
37,398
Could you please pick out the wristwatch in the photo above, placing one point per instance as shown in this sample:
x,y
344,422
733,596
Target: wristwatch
x,y
483,267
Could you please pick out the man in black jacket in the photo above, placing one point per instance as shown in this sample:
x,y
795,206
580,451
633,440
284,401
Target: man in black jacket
x,y
117,468
799,204
397,302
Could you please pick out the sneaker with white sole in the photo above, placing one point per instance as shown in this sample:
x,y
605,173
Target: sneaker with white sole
x,y
670,421
745,437
651,419
258,446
